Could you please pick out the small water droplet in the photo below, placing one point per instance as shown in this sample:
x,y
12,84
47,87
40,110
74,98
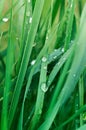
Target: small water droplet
x,y
71,5
28,1
64,58
34,44
33,62
55,50
46,37
44,88
40,111
17,38
54,57
44,59
45,67
5,20
74,75
1,99
62,49
30,20
48,81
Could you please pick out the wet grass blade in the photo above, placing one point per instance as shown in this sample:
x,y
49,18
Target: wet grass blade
x,y
73,77
42,88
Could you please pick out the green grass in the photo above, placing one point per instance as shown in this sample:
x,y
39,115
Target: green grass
x,y
43,65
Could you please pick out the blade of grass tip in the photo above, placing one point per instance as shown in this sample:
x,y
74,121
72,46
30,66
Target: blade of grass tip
x,y
69,24
9,63
40,95
82,109
73,77
27,52
81,97
22,45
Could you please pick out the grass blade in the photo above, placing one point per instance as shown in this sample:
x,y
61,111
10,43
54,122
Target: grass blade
x,y
27,52
9,64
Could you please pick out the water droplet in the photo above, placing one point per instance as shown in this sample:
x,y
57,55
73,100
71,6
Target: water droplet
x,y
55,50
62,49
71,41
45,67
5,20
33,62
34,44
44,88
46,37
28,1
40,111
17,38
54,57
30,20
48,81
71,5
44,59
74,75
64,58
1,99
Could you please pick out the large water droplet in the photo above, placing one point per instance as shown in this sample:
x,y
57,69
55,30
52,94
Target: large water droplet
x,y
44,59
33,62
5,20
44,88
